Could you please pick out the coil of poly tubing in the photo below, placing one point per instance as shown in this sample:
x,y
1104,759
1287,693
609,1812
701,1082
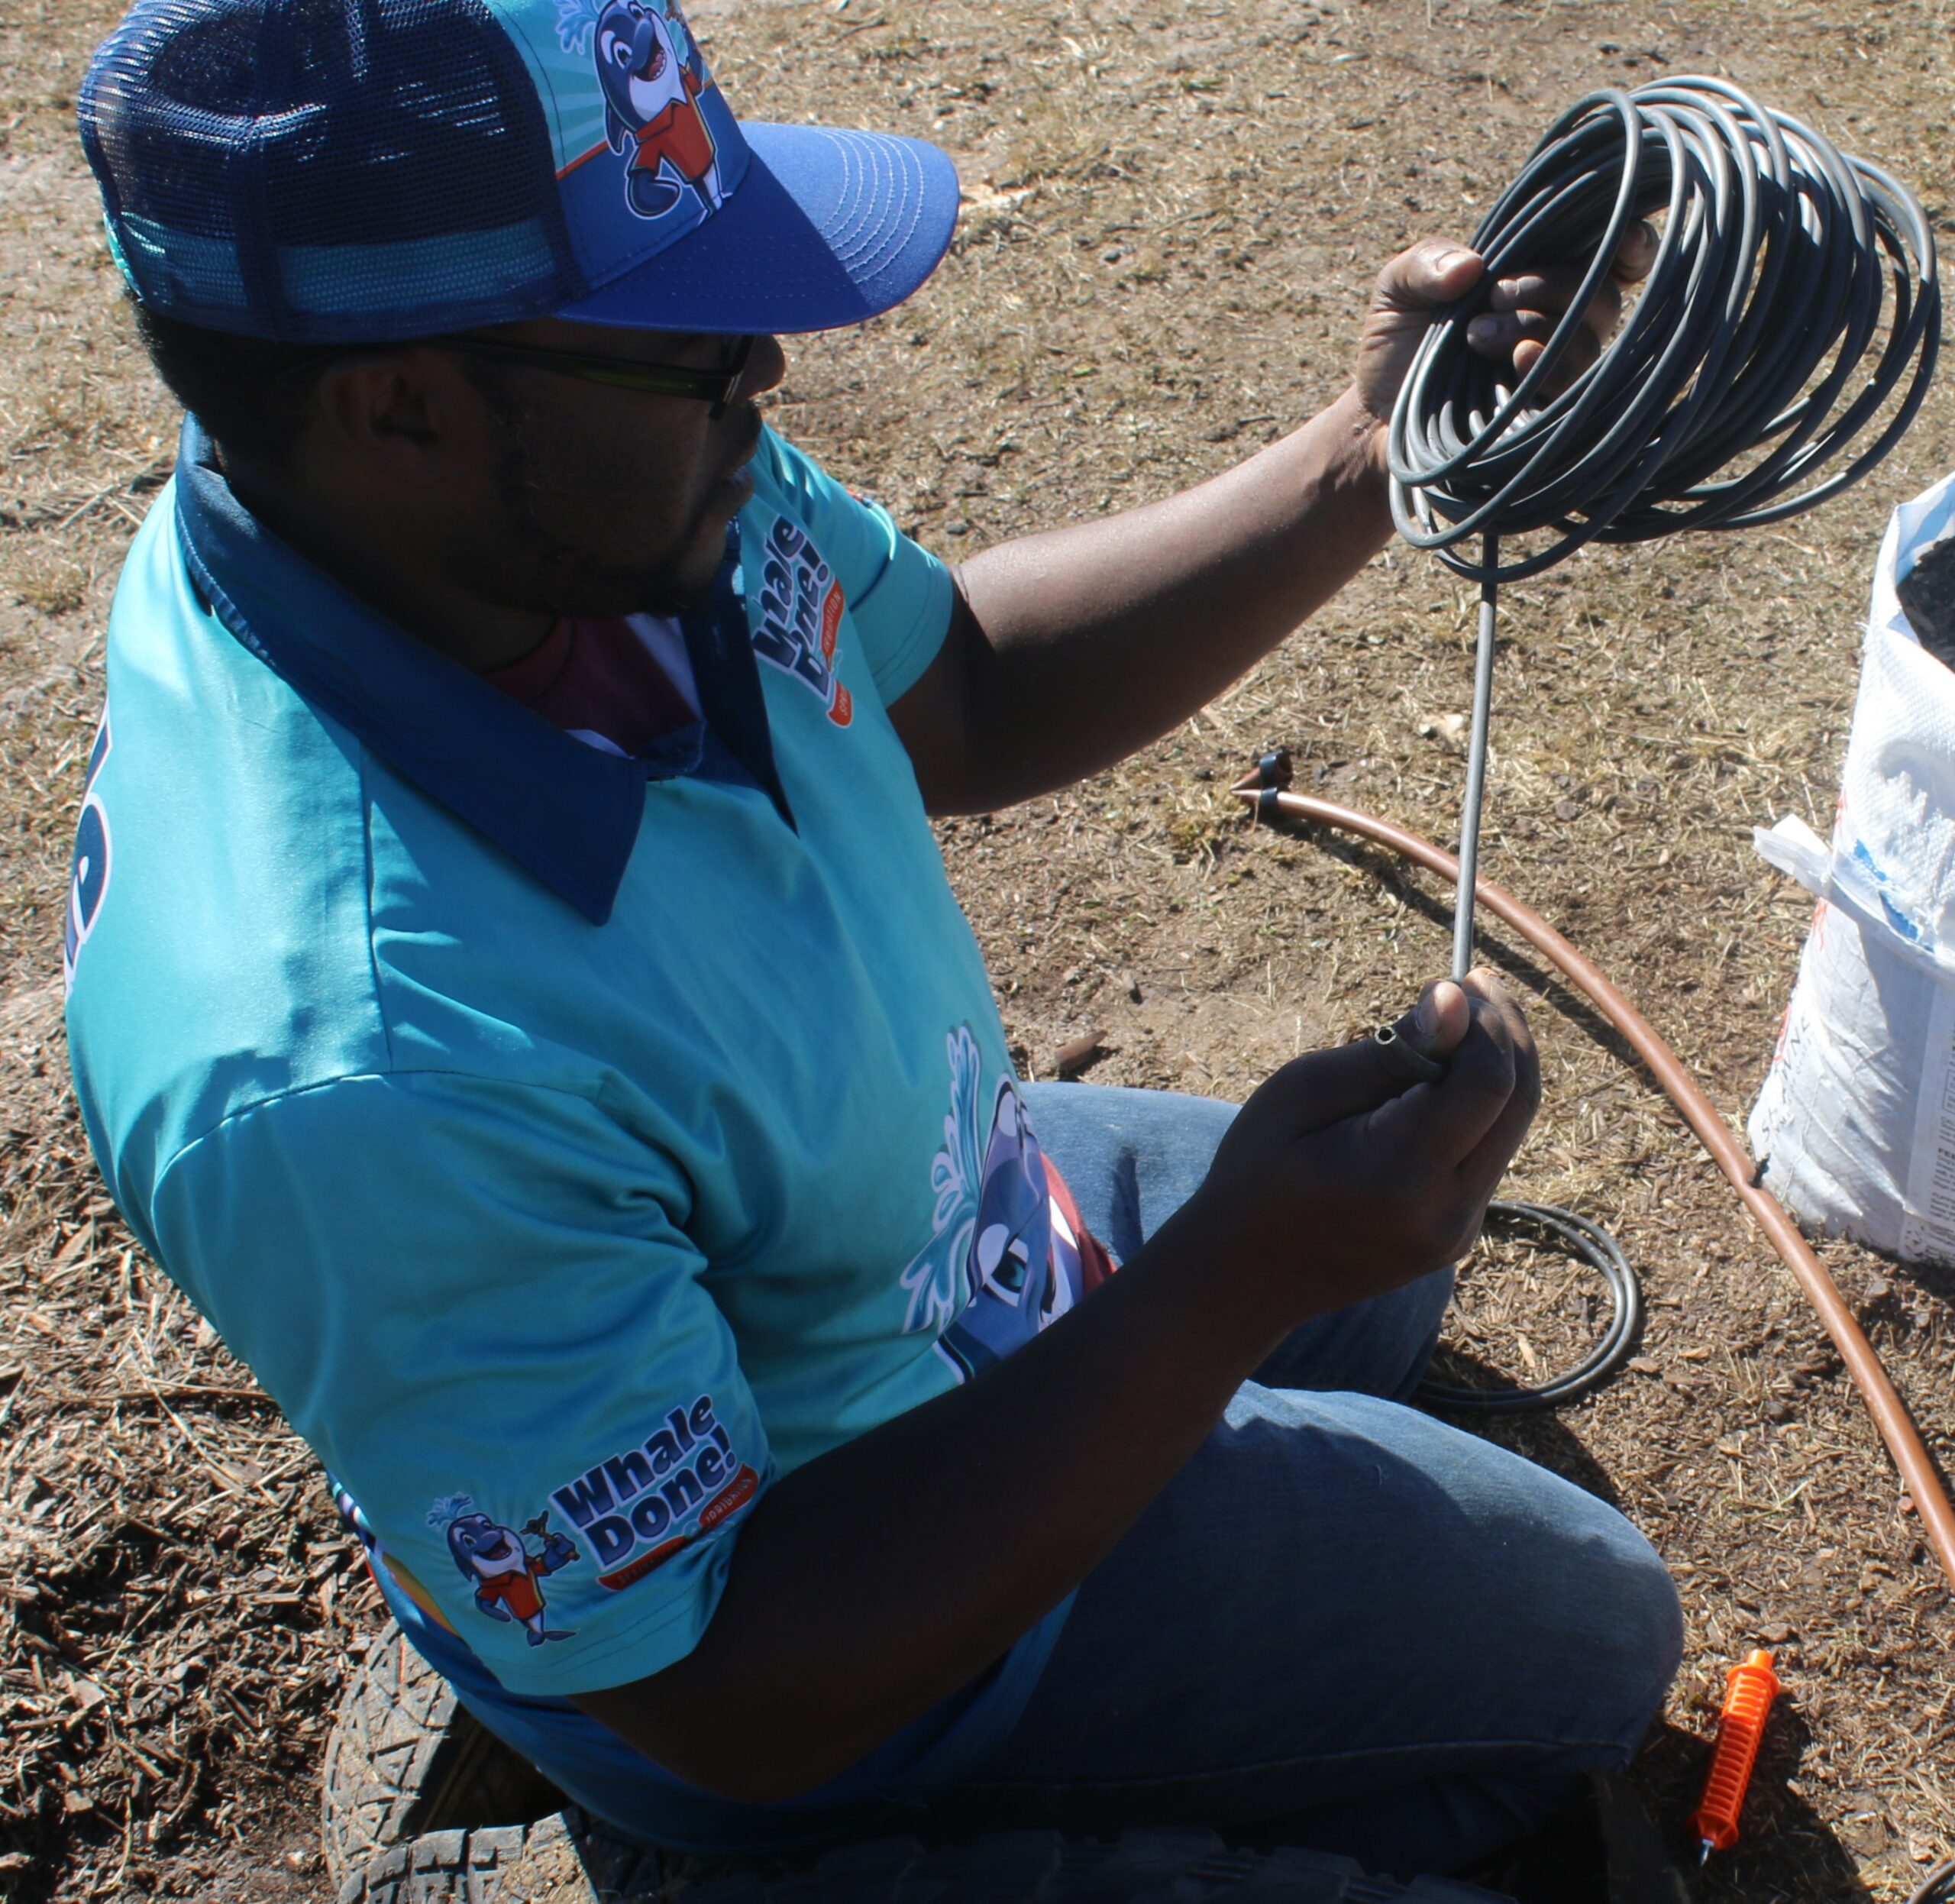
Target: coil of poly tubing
x,y
1594,1245
1792,306
1792,303
1793,293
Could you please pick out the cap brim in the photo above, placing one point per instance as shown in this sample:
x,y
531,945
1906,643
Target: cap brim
x,y
827,227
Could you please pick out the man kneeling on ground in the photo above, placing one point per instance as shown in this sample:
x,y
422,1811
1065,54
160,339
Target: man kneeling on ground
x,y
517,996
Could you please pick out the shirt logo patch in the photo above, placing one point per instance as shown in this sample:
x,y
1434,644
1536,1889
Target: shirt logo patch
x,y
643,1505
1003,1260
87,882
801,604
504,1571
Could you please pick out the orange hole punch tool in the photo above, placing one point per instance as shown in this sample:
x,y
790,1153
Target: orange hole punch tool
x,y
1749,1691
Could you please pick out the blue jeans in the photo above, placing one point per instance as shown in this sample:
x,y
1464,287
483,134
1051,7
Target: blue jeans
x,y
1342,1624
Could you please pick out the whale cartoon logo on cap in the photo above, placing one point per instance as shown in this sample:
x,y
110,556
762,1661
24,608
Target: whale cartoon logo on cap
x,y
652,74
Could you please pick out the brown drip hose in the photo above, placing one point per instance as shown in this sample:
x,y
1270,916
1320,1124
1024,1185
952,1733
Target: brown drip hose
x,y
1889,1411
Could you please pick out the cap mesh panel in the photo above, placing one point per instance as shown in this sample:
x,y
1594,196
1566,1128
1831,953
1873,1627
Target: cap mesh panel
x,y
334,170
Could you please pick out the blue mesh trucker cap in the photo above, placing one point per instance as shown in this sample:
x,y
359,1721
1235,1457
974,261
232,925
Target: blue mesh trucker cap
x,y
346,171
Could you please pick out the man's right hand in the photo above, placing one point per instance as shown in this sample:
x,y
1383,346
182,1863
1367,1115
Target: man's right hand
x,y
1336,1181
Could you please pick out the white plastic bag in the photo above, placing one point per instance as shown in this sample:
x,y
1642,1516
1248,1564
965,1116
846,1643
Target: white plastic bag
x,y
1855,1123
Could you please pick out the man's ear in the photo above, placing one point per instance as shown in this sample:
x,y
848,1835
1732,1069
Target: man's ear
x,y
407,414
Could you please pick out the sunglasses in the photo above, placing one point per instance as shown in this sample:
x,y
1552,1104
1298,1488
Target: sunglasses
x,y
718,386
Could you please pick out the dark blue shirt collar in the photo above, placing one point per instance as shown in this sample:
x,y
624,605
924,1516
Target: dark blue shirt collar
x,y
566,812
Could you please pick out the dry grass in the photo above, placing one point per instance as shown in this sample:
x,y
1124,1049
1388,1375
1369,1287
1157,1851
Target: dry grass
x,y
1172,218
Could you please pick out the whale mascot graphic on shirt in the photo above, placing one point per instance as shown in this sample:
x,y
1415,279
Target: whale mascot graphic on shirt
x,y
497,1563
1005,1259
652,76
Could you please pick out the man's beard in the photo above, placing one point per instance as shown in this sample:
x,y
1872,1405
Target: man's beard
x,y
524,563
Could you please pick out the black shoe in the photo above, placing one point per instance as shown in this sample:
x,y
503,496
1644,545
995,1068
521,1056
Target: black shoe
x,y
1603,1850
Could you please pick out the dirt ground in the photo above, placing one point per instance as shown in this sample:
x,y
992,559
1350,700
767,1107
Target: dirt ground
x,y
1173,216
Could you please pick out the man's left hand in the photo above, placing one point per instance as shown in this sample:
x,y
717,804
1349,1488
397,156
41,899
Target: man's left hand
x,y
1522,312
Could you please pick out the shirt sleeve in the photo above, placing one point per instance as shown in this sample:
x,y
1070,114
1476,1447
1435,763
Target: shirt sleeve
x,y
477,1302
899,594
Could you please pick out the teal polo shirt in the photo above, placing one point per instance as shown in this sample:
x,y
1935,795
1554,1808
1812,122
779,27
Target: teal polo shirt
x,y
570,1144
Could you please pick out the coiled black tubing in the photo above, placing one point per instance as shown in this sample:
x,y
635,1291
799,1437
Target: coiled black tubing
x,y
1793,291
1596,1247
1793,294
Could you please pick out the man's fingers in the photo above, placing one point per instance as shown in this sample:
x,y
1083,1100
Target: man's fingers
x,y
1524,313
1553,291
1480,983
1541,297
1554,286
1410,292
1484,1165
1473,1120
1576,358
1435,273
1431,274
1494,334
1636,253
1482,1168
1446,1123
1435,1026
1324,1088
1583,350
1422,1038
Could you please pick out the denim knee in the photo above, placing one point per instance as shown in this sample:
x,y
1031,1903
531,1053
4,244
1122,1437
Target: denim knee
x,y
1644,1617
